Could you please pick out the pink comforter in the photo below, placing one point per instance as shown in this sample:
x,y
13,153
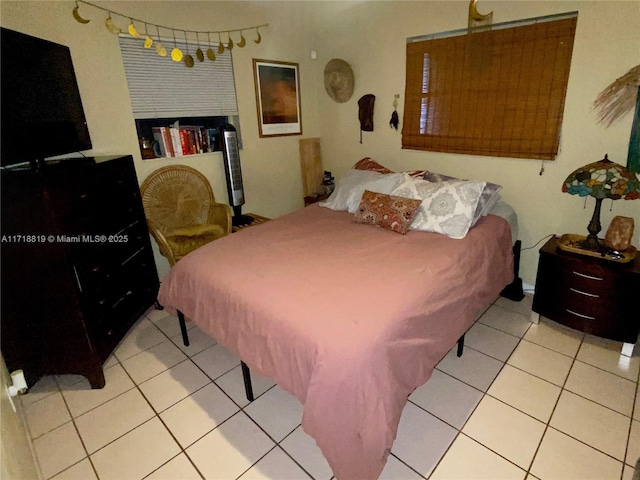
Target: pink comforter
x,y
349,318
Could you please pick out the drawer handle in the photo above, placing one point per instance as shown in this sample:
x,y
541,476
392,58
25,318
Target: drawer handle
x,y
587,276
581,315
585,293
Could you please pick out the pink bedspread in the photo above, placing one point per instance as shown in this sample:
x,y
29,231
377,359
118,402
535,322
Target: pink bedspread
x,y
349,318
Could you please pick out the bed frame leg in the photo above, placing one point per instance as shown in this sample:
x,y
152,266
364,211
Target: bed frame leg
x,y
514,290
246,375
460,346
183,328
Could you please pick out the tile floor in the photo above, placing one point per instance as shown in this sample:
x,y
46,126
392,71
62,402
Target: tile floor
x,y
524,401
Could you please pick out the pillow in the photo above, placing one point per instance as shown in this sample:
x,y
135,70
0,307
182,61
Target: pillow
x,y
386,211
487,200
370,164
447,207
349,190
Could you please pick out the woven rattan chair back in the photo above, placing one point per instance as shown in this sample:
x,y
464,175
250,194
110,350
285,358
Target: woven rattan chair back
x,y
177,196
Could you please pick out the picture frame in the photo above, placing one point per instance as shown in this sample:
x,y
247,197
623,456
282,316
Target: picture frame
x,y
277,98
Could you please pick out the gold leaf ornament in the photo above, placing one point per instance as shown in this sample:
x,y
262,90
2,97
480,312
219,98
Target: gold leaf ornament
x,y
199,52
160,50
176,54
132,30
220,46
148,41
230,43
76,15
243,41
110,25
188,59
259,38
210,53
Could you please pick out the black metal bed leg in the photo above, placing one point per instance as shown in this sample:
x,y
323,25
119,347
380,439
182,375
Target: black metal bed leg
x,y
246,376
183,328
460,346
514,290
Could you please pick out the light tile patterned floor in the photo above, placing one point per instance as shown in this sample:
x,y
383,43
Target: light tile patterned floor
x,y
524,401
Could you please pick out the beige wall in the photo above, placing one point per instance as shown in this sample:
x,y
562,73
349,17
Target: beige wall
x,y
371,37
271,166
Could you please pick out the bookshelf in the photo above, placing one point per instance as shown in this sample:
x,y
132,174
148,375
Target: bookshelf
x,y
170,137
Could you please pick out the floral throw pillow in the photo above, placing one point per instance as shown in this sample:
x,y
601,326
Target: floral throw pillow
x,y
386,211
447,207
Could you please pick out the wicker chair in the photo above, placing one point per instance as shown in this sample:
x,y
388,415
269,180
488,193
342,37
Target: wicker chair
x,y
181,210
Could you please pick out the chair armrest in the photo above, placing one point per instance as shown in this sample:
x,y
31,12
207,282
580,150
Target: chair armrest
x,y
163,245
221,215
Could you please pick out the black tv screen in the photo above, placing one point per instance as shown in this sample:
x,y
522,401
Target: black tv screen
x,y
42,114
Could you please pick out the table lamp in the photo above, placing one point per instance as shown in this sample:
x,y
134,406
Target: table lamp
x,y
603,179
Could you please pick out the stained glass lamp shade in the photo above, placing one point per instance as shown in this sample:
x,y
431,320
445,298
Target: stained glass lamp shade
x,y
603,179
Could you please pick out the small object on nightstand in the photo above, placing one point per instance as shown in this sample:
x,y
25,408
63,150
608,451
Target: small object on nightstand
x,y
575,244
328,183
619,233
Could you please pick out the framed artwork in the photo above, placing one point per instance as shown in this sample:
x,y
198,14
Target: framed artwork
x,y
277,98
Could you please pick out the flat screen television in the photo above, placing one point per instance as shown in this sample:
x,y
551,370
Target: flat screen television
x,y
42,114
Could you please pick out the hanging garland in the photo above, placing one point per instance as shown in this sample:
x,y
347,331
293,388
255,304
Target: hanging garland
x,y
176,54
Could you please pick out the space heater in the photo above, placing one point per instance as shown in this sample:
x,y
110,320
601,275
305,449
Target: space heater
x,y
231,154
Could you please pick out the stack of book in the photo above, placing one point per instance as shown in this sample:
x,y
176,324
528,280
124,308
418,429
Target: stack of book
x,y
176,141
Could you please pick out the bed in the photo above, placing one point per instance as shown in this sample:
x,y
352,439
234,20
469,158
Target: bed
x,y
348,317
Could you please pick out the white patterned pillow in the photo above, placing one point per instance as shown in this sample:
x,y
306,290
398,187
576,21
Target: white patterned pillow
x,y
488,199
447,207
349,190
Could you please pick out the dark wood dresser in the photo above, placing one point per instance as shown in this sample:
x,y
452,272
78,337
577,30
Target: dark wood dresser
x,y
590,294
77,265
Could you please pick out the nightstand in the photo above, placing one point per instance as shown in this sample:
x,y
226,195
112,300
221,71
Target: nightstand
x,y
311,199
257,220
589,294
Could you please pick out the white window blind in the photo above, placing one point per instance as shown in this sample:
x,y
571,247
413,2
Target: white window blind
x,y
162,88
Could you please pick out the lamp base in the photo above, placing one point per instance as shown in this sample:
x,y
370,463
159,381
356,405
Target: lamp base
x,y
591,243
582,245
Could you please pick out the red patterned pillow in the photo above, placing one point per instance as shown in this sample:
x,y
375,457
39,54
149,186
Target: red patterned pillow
x,y
370,164
386,211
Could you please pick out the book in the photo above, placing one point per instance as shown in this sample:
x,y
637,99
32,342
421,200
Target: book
x,y
159,138
212,134
168,142
184,141
194,135
162,135
177,145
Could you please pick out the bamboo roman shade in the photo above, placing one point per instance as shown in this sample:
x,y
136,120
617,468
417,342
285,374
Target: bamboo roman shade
x,y
498,93
162,88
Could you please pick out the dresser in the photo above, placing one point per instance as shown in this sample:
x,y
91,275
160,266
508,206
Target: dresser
x,y
77,265
589,294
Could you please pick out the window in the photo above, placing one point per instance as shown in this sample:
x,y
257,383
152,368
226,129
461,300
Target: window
x,y
499,92
168,94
